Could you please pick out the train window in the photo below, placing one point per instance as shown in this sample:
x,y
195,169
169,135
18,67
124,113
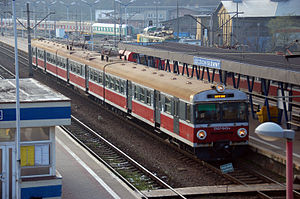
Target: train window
x,y
141,94
207,113
167,107
106,80
92,75
122,88
48,57
148,97
117,85
188,112
234,112
96,76
100,75
112,83
135,92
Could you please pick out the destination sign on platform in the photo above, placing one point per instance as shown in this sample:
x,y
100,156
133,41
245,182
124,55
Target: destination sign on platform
x,y
210,63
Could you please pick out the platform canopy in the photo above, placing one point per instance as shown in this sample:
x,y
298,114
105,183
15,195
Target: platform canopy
x,y
40,105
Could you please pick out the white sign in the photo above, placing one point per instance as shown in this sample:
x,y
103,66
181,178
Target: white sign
x,y
227,168
41,154
210,63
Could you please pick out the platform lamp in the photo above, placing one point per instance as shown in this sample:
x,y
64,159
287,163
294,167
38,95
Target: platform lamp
x,y
271,131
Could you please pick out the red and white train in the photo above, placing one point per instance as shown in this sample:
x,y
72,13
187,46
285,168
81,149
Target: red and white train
x,y
208,120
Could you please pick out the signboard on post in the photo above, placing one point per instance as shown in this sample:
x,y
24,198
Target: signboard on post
x,y
227,168
210,63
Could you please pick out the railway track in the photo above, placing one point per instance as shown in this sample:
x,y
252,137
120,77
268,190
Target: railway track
x,y
239,176
131,172
5,73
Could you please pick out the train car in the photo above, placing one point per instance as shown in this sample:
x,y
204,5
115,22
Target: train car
x,y
209,120
127,55
109,29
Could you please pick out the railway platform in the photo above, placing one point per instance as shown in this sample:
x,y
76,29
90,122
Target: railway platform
x,y
83,175
77,173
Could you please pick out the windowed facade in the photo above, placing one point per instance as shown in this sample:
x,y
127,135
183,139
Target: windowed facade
x,y
40,54
76,68
215,113
143,95
36,150
51,58
96,76
61,62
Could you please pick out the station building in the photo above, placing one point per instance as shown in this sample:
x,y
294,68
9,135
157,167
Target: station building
x,y
41,109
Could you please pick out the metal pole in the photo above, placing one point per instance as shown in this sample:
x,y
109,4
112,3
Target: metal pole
x,y
156,14
29,42
289,169
22,10
211,30
67,13
92,37
126,22
35,21
5,18
120,26
115,26
1,24
17,141
49,23
177,20
45,20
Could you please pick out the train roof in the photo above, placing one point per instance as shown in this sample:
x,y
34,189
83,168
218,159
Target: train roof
x,y
172,84
110,25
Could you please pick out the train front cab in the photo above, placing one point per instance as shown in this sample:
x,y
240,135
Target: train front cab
x,y
221,124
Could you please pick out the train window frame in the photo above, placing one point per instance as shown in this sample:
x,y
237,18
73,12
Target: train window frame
x,y
92,75
117,85
168,105
122,86
141,94
100,75
135,92
107,80
188,112
148,97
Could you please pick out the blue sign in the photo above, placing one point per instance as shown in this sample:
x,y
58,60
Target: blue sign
x,y
227,168
39,113
210,63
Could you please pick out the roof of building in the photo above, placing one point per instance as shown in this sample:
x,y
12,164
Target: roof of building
x,y
31,91
263,8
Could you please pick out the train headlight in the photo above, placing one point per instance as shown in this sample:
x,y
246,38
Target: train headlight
x,y
201,135
220,88
242,132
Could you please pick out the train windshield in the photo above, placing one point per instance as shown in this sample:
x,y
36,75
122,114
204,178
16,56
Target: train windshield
x,y
220,113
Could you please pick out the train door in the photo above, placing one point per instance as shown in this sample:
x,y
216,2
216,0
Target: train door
x,y
86,77
7,171
176,114
129,95
157,106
